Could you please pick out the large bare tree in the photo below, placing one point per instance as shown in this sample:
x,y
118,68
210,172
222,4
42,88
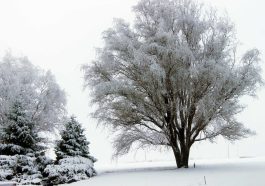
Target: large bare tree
x,y
173,78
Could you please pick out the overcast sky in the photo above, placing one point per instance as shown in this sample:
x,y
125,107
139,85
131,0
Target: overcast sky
x,y
61,35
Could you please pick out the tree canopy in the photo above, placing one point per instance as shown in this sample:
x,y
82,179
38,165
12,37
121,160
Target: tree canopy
x,y
172,78
37,90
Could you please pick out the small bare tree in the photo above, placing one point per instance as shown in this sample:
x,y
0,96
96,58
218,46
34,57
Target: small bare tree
x,y
173,78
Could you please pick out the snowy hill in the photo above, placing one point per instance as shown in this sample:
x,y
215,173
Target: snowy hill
x,y
232,172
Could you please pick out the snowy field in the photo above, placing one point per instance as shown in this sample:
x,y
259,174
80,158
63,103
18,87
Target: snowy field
x,y
230,172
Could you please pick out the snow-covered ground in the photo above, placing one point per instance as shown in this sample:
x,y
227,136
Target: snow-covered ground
x,y
230,172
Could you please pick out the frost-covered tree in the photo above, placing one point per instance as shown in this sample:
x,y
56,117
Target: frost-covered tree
x,y
36,89
73,159
19,143
73,142
19,134
173,78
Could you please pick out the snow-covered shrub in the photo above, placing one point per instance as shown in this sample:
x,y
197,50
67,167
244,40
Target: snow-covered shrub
x,y
7,164
69,170
27,170
42,161
24,169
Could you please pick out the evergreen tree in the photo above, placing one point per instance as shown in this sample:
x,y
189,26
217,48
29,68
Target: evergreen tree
x,y
18,135
73,142
74,162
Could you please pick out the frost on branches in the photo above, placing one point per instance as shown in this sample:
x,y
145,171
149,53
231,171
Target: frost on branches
x,y
74,162
173,78
36,89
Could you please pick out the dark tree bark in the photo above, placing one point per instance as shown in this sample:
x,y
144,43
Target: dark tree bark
x,y
181,156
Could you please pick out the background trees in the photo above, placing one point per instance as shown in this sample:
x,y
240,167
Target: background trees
x,y
31,103
37,90
173,78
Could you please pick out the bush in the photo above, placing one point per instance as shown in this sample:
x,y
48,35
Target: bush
x,y
7,164
42,161
69,170
24,169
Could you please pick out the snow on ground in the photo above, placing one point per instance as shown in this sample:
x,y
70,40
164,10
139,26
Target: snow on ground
x,y
230,172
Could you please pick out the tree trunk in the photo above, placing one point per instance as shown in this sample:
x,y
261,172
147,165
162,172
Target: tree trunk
x,y
182,156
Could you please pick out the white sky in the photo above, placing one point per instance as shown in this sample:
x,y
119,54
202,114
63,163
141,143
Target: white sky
x,y
61,35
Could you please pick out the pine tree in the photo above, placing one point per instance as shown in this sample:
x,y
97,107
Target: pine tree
x,y
18,135
73,142
74,162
